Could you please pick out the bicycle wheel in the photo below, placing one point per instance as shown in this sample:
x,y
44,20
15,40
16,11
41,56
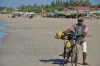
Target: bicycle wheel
x,y
74,55
66,57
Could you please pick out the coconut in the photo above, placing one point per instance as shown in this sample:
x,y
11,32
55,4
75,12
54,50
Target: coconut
x,y
58,34
68,45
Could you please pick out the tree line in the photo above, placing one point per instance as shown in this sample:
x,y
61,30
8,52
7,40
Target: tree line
x,y
55,5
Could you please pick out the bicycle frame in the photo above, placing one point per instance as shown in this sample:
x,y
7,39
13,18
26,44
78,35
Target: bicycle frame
x,y
69,52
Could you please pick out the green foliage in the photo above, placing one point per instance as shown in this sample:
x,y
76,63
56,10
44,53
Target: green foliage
x,y
58,5
9,10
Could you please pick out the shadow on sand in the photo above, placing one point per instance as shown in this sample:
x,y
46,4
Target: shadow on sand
x,y
54,61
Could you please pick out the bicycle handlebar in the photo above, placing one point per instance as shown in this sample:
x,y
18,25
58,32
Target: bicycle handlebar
x,y
71,34
77,34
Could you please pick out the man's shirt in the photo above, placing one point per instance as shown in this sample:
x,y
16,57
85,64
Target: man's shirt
x,y
79,29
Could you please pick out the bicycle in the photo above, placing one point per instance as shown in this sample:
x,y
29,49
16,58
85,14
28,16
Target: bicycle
x,y
73,50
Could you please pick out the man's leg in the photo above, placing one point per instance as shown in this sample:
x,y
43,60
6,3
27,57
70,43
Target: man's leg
x,y
84,48
84,57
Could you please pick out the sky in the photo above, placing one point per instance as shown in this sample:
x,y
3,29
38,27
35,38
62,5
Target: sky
x,y
16,3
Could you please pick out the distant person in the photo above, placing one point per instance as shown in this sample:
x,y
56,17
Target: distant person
x,y
97,17
8,15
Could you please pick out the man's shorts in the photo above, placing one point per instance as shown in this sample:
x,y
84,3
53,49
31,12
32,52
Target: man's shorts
x,y
84,46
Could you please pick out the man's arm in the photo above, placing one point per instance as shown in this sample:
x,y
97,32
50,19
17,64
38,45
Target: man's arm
x,y
85,32
70,29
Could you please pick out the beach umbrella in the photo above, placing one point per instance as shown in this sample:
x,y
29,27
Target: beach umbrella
x,y
68,13
95,11
32,13
86,12
74,11
27,13
51,13
60,12
20,12
16,12
91,12
98,12
24,12
88,15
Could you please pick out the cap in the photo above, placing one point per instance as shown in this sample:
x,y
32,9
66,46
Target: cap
x,y
80,18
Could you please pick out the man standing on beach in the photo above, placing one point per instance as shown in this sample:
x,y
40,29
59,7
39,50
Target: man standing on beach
x,y
82,30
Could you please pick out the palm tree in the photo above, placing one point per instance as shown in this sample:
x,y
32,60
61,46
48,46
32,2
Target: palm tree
x,y
87,3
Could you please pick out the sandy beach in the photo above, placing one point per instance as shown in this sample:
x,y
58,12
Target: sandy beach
x,y
31,42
